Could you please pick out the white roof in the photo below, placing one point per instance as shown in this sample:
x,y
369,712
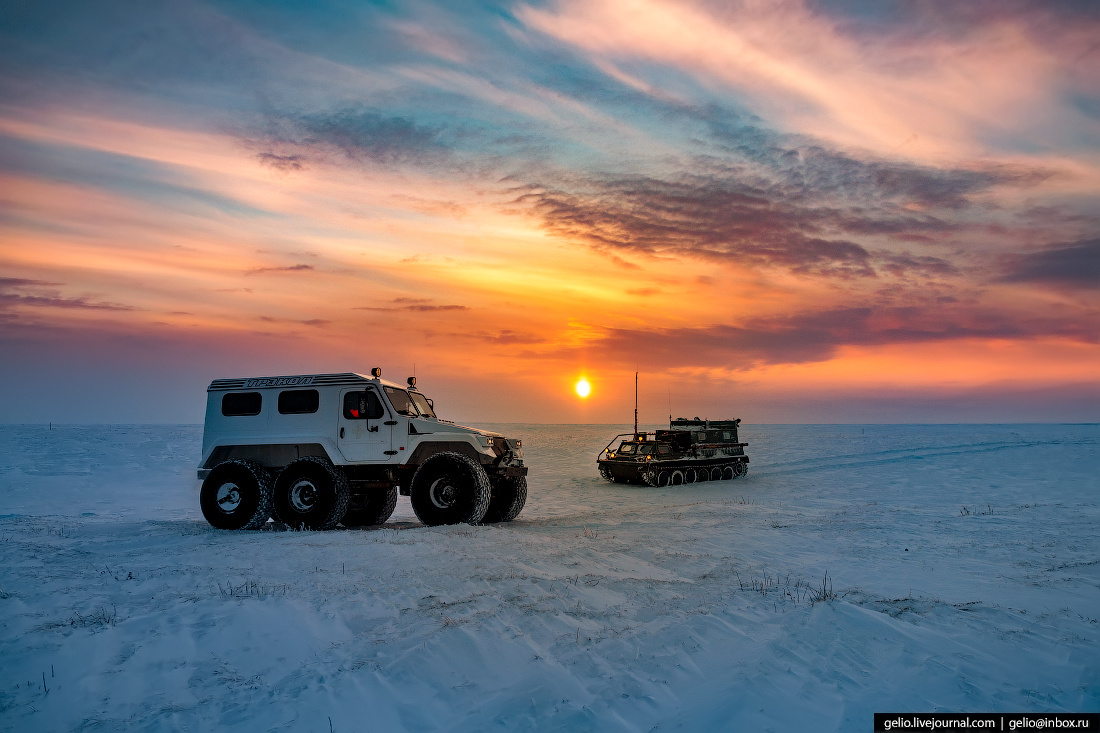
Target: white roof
x,y
296,380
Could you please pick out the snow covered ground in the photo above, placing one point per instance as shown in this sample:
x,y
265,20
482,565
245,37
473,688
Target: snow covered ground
x,y
963,568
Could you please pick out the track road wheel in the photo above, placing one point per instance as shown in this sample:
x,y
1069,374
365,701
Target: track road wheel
x,y
507,500
236,495
716,473
677,478
690,476
370,508
449,488
727,473
311,493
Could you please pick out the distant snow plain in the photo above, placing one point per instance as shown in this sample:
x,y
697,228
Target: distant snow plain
x,y
856,569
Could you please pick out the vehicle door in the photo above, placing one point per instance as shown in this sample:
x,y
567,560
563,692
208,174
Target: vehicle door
x,y
363,432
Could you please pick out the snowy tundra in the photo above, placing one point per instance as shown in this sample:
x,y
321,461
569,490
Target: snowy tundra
x,y
856,569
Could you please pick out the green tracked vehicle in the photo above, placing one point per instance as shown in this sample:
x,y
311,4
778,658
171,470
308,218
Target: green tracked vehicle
x,y
691,450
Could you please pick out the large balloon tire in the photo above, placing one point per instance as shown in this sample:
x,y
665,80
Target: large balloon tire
x,y
370,508
236,495
450,488
507,500
311,493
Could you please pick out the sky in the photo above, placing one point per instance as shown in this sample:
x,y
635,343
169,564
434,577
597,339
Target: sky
x,y
781,211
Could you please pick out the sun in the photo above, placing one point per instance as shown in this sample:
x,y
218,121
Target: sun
x,y
583,387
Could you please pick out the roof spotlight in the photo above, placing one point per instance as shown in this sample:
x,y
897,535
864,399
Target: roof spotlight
x,y
376,372
411,381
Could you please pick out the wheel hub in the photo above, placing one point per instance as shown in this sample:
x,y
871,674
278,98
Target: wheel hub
x,y
303,495
443,493
229,497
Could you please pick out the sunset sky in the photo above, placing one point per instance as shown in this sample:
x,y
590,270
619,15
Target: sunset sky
x,y
781,211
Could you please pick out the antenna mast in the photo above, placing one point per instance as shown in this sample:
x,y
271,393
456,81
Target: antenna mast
x,y
635,404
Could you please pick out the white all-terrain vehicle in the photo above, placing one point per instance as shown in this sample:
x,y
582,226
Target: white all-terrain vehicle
x,y
316,450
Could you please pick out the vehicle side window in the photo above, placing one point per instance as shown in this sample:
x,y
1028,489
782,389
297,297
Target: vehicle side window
x,y
626,448
236,404
362,406
664,448
298,401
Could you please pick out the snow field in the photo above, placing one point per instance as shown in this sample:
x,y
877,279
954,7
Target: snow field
x,y
963,569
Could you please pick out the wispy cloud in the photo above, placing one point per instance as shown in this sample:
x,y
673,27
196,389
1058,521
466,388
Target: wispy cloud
x,y
416,305
814,336
1072,264
315,322
41,294
927,77
360,134
286,268
285,163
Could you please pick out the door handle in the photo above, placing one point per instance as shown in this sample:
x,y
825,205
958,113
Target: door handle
x,y
373,430
341,432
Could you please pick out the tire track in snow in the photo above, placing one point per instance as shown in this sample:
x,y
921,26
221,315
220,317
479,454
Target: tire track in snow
x,y
878,458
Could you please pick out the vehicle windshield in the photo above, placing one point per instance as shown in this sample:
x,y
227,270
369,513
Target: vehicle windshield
x,y
422,405
626,447
402,403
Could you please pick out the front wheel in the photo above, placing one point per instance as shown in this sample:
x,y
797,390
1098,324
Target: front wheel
x,y
311,493
449,488
236,495
507,500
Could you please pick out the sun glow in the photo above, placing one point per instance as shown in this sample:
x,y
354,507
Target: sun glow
x,y
583,387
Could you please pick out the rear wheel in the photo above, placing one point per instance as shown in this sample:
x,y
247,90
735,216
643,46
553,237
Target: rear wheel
x,y
311,493
370,508
449,488
236,495
507,499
